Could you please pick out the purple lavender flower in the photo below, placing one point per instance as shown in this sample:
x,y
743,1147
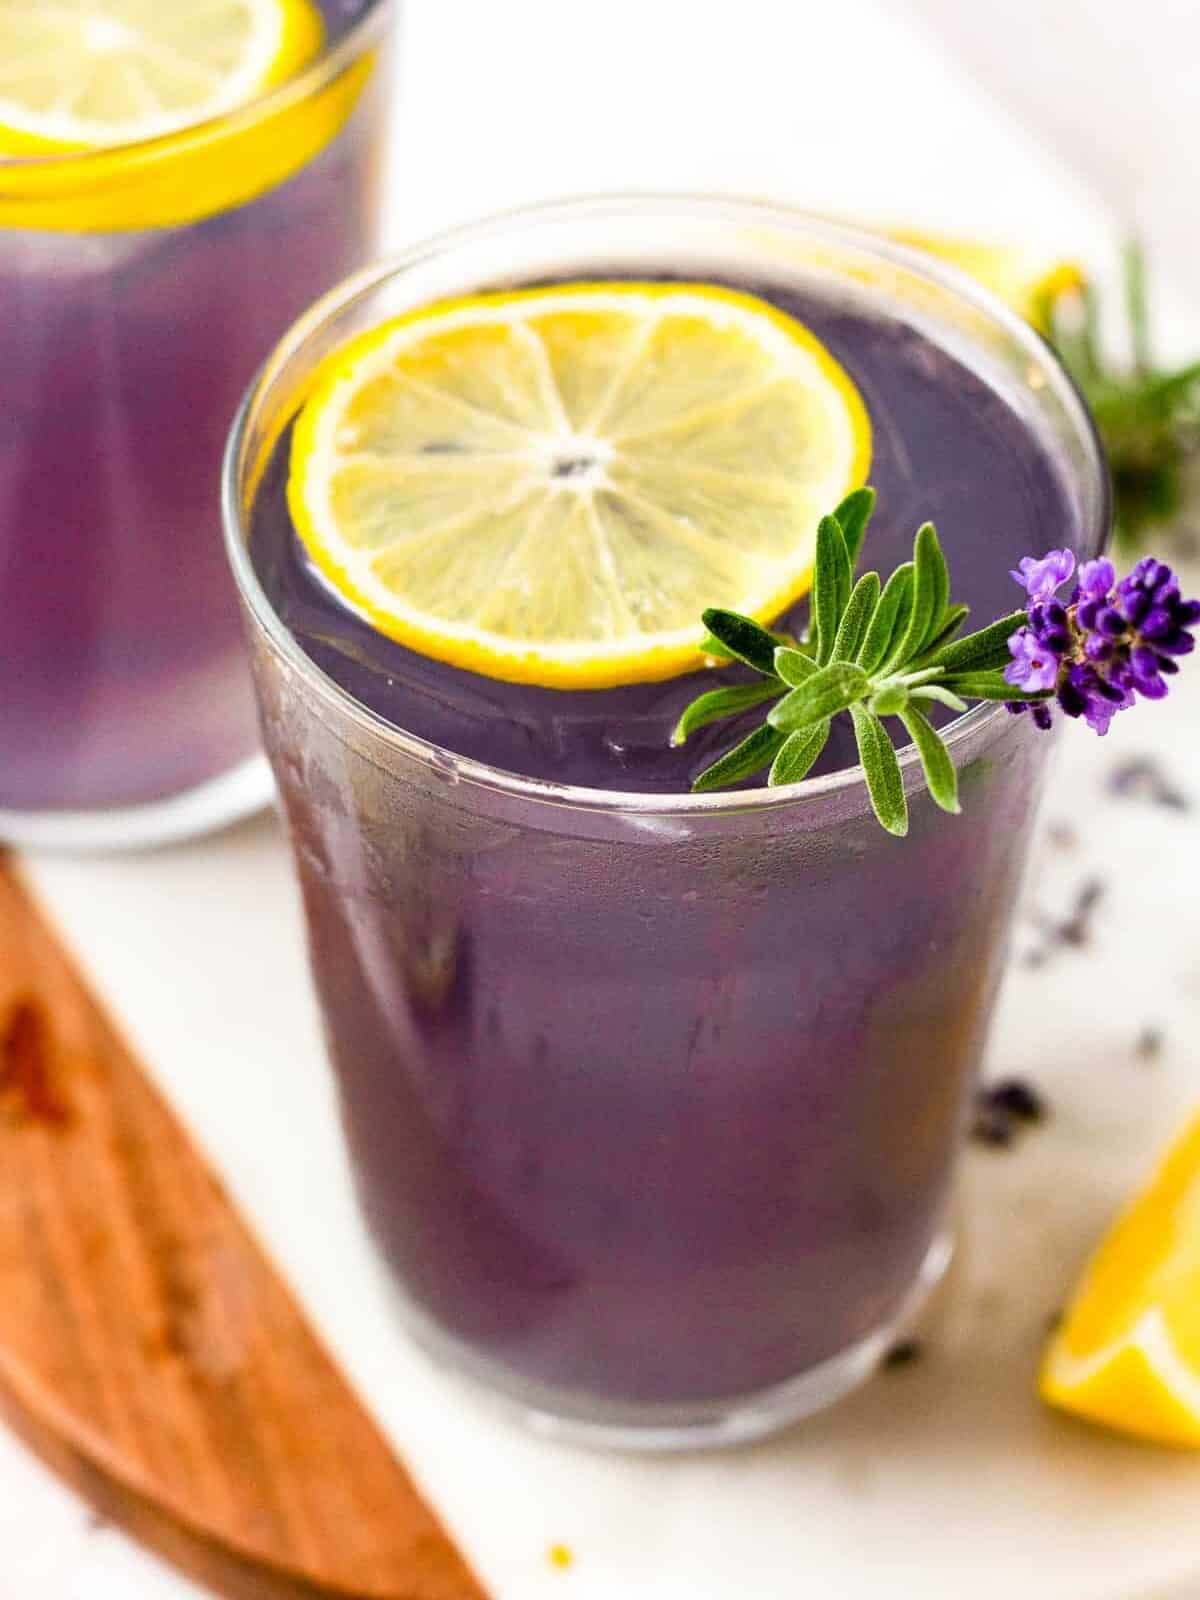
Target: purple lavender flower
x,y
1039,710
1110,643
1096,578
1083,692
1033,665
1051,625
1041,578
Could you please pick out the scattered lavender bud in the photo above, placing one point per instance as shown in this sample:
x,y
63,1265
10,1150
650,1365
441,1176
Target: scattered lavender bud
x,y
1017,1097
1002,1108
1072,932
1062,836
1149,1044
1142,778
1077,929
903,1353
991,1125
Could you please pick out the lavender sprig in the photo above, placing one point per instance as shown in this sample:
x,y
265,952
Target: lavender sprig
x,y
1147,415
878,650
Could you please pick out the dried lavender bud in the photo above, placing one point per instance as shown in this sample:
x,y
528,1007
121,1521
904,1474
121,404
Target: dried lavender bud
x,y
1002,1108
1017,1097
1149,1044
1143,778
992,1125
1062,836
903,1353
1077,929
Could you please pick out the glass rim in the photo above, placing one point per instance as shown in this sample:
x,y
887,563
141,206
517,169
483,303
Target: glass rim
x,y
303,85
963,729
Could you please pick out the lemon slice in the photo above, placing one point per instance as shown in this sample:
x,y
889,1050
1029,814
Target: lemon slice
x,y
81,73
1128,1353
549,486
150,108
1027,280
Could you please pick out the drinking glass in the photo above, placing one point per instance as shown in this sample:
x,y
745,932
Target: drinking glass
x,y
141,287
654,1101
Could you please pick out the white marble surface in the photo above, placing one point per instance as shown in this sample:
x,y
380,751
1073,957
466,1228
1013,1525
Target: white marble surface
x,y
939,1479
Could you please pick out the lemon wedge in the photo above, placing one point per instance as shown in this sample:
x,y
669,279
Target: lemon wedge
x,y
147,108
1027,280
548,486
1128,1353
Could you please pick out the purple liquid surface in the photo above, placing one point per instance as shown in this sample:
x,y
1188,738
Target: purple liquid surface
x,y
646,1112
124,358
939,432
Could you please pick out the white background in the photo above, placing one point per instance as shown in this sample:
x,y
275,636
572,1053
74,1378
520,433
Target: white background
x,y
947,1478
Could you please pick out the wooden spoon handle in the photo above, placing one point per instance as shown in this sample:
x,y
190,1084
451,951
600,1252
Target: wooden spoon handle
x,y
149,1350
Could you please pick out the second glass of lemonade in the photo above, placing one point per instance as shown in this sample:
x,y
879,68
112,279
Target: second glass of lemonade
x,y
654,1098
177,182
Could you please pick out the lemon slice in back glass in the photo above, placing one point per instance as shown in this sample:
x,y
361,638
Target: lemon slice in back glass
x,y
548,486
139,103
86,73
1028,280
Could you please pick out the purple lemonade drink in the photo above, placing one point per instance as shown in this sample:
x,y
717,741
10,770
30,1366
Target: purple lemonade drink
x,y
654,1098
143,281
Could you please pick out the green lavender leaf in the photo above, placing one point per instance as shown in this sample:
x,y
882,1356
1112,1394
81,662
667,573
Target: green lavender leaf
x,y
710,645
797,754
831,585
794,666
755,752
890,693
890,698
718,703
928,550
930,572
982,651
930,583
853,515
890,616
860,608
833,689
911,677
1136,307
885,782
952,620
742,639
938,692
986,686
941,779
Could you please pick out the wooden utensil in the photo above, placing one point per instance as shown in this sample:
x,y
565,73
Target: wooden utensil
x,y
149,1350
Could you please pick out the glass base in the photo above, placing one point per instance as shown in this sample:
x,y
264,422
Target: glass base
x,y
212,805
718,1424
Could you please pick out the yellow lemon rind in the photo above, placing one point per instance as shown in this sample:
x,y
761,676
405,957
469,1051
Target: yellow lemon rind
x,y
1139,1385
